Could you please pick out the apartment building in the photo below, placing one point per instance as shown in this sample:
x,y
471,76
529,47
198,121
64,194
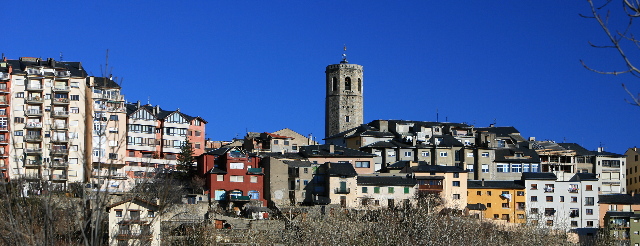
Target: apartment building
x,y
5,112
570,205
611,170
633,176
155,138
134,222
107,140
48,112
502,200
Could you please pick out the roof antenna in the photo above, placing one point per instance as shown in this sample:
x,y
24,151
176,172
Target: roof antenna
x,y
60,55
148,100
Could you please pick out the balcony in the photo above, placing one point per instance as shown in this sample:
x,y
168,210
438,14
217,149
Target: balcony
x,y
430,187
32,163
33,112
60,151
3,88
31,176
61,89
124,234
33,125
115,98
59,177
239,198
4,103
4,128
59,140
33,138
60,114
548,189
342,190
254,171
573,190
4,141
34,100
59,164
33,151
63,74
121,176
33,87
59,126
60,101
5,76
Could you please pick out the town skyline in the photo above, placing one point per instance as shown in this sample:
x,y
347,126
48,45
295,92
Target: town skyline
x,y
259,67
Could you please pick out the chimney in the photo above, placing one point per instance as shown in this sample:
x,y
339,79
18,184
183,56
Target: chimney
x,y
413,163
156,109
138,104
600,149
384,126
331,148
532,138
483,182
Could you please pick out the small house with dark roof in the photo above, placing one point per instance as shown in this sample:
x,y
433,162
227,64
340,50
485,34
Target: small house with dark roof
x,y
319,154
504,200
384,190
134,221
335,183
287,180
617,202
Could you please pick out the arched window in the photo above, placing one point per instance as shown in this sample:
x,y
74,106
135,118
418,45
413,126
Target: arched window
x,y
359,84
347,83
334,83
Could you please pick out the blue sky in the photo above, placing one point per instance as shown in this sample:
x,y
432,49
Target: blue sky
x,y
259,65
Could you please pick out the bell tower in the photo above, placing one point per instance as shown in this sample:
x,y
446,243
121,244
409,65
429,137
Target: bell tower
x,y
344,102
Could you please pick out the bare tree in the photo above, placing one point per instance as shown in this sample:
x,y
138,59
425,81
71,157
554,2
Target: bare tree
x,y
618,28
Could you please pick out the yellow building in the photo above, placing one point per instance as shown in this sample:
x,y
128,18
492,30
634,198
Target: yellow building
x,y
504,200
633,175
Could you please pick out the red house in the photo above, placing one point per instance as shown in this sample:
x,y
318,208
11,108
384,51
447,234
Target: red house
x,y
232,177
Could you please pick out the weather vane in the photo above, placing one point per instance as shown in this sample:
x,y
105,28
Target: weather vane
x,y
344,55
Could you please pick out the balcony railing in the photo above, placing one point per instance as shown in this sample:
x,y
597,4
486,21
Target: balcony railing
x,y
4,141
33,87
118,176
240,198
57,126
33,163
3,102
548,189
31,176
34,100
61,101
58,177
342,190
5,76
573,190
430,187
33,125
108,97
61,88
33,138
59,140
4,128
33,112
59,164
254,171
63,73
134,233
32,151
60,151
60,114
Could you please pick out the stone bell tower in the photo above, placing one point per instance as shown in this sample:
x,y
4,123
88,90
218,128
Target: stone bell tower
x,y
344,102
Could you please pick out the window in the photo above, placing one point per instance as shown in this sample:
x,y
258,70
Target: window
x,y
505,205
17,133
425,153
588,201
220,177
390,190
485,154
456,196
235,178
520,193
376,190
589,187
443,154
406,190
489,193
118,213
574,199
113,156
407,154
253,179
534,211
516,168
561,198
113,117
520,216
391,153
347,83
305,170
456,183
75,84
18,120
488,205
534,198
479,193
74,97
589,223
496,216
470,168
589,211
236,165
502,168
365,190
151,214
346,119
485,168
456,175
19,94
74,110
549,188
549,211
534,186
549,198
364,164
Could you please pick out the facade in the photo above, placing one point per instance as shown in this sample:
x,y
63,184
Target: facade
x,y
611,169
344,97
320,154
633,161
564,205
502,200
624,227
335,183
387,191
617,203
287,180
269,142
108,134
134,222
48,113
233,178
5,114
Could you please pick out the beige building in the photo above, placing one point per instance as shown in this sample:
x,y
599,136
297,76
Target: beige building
x,y
48,121
386,190
134,222
633,176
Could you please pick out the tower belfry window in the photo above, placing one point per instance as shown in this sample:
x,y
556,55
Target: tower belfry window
x,y
359,84
334,83
346,118
347,83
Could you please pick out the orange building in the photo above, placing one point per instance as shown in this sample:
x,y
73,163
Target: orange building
x,y
504,200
